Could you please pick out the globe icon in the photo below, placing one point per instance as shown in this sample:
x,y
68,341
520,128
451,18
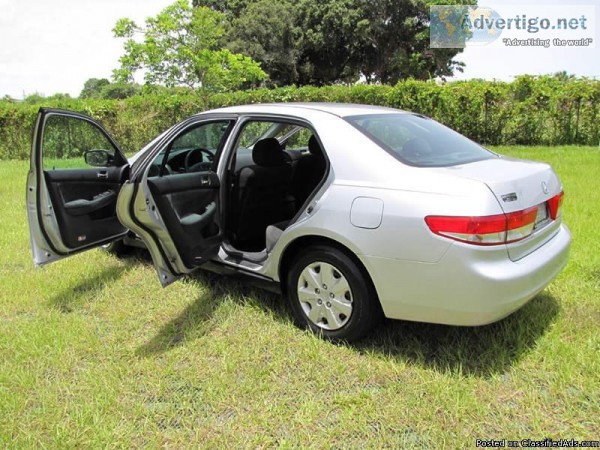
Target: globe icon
x,y
483,29
455,26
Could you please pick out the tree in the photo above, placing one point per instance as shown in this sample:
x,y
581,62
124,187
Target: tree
x,y
119,90
331,41
92,88
231,8
102,88
180,46
266,32
296,41
563,76
395,43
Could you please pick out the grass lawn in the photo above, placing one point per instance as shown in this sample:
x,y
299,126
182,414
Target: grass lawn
x,y
93,353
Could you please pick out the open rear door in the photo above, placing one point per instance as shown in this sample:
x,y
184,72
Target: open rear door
x,y
75,175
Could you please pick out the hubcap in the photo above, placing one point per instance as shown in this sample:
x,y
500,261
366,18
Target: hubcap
x,y
325,296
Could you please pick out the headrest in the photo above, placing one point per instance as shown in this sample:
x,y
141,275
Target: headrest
x,y
313,146
268,153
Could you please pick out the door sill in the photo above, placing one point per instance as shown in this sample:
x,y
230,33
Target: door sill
x,y
253,257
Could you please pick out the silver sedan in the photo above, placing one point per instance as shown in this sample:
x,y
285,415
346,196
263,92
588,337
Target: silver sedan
x,y
355,212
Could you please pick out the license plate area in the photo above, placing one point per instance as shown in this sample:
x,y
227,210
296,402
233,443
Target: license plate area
x,y
542,218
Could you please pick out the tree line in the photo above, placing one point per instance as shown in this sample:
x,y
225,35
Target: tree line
x,y
544,110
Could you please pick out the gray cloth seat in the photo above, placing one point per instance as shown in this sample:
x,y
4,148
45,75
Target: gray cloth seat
x,y
263,192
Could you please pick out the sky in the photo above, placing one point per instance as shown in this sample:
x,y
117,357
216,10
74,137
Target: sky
x,y
54,46
49,47
493,62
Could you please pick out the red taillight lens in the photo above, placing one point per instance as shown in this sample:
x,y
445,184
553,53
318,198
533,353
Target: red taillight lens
x,y
520,224
485,230
554,205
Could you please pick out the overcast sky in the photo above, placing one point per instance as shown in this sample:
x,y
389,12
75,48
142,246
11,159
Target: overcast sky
x,y
55,46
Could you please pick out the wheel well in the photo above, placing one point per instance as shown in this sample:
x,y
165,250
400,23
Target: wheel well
x,y
303,242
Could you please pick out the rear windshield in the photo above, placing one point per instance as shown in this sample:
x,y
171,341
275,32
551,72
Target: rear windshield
x,y
419,141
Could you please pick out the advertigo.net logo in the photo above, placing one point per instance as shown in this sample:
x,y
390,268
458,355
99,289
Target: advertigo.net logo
x,y
458,26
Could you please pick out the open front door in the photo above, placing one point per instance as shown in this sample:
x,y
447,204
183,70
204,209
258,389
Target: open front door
x,y
75,175
172,202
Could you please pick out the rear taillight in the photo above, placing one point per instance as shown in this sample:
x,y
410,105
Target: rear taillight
x,y
520,224
554,205
485,230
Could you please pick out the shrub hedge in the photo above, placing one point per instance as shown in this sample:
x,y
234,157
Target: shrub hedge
x,y
531,110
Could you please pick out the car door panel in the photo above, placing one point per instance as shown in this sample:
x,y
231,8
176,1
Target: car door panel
x,y
187,205
84,201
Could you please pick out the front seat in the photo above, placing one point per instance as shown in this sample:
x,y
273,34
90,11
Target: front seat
x,y
310,170
264,193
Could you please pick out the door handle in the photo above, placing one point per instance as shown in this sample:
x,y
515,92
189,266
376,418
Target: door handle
x,y
102,174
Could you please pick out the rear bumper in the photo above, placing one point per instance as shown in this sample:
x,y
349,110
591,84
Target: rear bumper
x,y
468,286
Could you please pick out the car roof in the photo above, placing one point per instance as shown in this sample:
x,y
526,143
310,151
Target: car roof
x,y
337,109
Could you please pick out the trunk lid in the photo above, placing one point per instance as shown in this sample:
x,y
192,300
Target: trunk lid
x,y
517,185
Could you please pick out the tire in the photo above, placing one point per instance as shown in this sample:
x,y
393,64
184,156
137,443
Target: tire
x,y
347,309
117,248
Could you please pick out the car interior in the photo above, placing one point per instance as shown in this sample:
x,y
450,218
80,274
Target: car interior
x,y
274,170
270,181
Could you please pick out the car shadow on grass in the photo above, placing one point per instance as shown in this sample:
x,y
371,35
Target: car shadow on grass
x,y
196,319
69,299
472,351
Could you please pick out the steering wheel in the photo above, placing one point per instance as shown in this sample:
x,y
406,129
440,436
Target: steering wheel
x,y
191,165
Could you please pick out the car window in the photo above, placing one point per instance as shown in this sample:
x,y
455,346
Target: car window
x,y
419,141
205,136
193,150
296,139
74,143
291,136
254,131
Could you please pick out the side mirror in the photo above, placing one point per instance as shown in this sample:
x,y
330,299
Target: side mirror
x,y
98,158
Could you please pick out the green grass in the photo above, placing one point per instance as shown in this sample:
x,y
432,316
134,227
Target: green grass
x,y
93,353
